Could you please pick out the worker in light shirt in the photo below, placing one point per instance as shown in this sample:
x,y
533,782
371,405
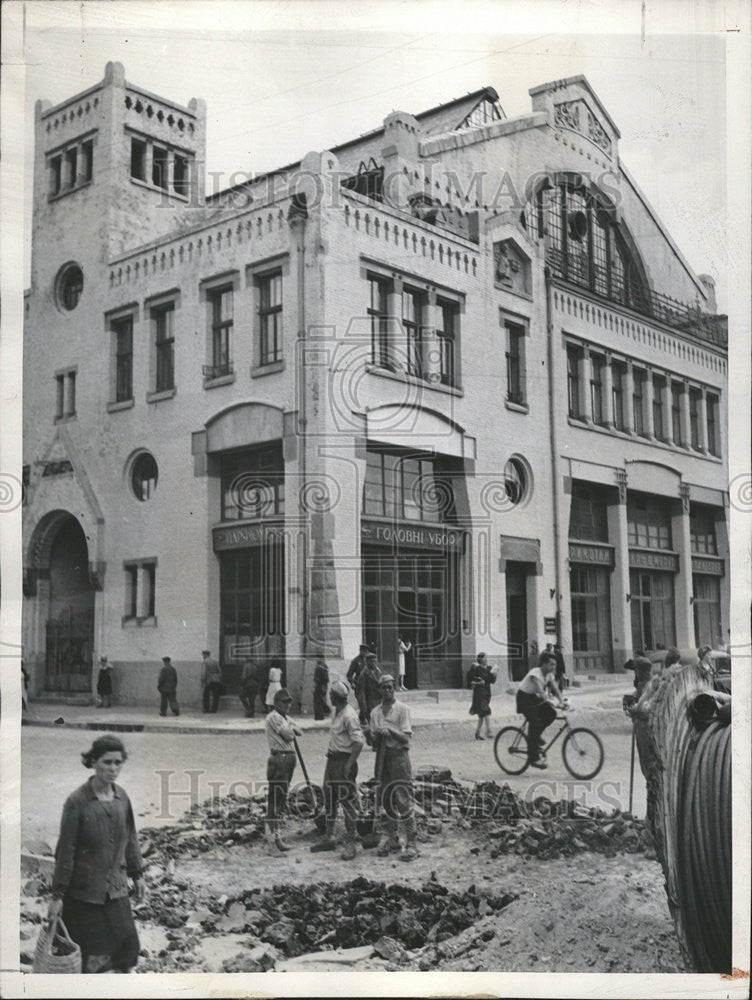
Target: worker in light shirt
x,y
534,703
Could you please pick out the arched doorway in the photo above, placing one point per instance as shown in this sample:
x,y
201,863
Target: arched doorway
x,y
69,629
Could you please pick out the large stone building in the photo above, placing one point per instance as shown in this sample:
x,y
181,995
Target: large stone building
x,y
451,380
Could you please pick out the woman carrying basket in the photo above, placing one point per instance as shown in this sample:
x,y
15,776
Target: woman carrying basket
x,y
97,853
480,677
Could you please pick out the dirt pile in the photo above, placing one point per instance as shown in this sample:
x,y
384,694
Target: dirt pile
x,y
225,822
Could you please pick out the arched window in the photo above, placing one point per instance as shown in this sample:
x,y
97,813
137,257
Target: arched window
x,y
584,242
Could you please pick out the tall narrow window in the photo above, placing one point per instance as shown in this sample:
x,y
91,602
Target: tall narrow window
x,y
694,419
60,397
638,400
412,310
162,318
676,429
596,388
70,406
56,175
617,395
712,410
447,336
377,310
123,333
159,167
131,591
222,319
270,315
180,175
659,427
573,381
138,159
69,163
702,530
515,363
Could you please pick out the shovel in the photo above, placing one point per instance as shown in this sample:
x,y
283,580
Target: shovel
x,y
314,801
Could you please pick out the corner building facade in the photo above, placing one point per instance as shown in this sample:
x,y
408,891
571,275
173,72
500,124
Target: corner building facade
x,y
451,381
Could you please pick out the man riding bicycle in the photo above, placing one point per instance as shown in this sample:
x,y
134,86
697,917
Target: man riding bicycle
x,y
533,702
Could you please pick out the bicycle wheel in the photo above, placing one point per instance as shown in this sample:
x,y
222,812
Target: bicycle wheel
x,y
510,749
582,751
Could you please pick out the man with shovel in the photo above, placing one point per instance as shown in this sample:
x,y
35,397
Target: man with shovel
x,y
345,743
391,732
280,735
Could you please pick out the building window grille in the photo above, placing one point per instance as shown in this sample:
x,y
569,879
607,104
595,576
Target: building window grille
x,y
144,476
123,333
412,313
270,317
596,389
447,336
702,531
221,303
515,362
253,484
659,429
712,411
638,397
676,429
378,312
163,318
573,382
407,487
648,523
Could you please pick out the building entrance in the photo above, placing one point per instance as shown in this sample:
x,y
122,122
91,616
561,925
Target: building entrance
x,y
517,641
652,603
69,632
413,594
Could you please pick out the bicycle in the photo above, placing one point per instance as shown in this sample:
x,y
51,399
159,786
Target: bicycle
x,y
581,751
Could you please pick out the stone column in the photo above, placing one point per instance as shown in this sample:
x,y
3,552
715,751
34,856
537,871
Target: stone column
x,y
684,421
170,171
607,399
621,621
584,367
627,399
681,540
149,163
702,420
647,404
67,168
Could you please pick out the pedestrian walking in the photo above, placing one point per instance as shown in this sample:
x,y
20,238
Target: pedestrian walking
x,y
480,677
97,852
249,684
561,668
211,682
533,702
345,744
368,691
275,684
167,685
357,664
280,736
403,648
104,684
320,687
390,732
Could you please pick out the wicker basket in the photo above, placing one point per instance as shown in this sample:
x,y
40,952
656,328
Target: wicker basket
x,y
55,951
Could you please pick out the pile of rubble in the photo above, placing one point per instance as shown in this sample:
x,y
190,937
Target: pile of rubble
x,y
215,823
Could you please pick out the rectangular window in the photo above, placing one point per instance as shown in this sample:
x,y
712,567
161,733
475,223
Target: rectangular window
x,y
270,317
70,158
694,419
412,315
648,522
377,310
56,174
60,397
149,581
573,381
159,167
515,362
253,484
596,388
407,488
447,336
676,429
588,520
638,400
180,175
712,410
140,590
131,591
122,330
702,531
162,318
221,303
707,610
617,395
138,159
86,166
659,428
70,406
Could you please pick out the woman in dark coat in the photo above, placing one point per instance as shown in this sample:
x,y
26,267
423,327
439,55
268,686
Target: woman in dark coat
x,y
96,855
320,688
480,677
104,683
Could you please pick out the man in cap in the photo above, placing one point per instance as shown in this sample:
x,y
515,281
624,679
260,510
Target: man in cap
x,y
356,666
367,689
280,736
391,732
211,681
345,744
167,685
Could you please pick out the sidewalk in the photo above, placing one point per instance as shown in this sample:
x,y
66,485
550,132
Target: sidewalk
x,y
427,708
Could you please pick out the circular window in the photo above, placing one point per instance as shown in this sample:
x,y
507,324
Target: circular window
x,y
144,474
517,480
69,286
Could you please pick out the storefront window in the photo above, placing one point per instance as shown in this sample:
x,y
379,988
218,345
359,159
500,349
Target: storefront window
x,y
407,488
253,484
591,630
649,522
588,520
707,610
652,604
702,531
